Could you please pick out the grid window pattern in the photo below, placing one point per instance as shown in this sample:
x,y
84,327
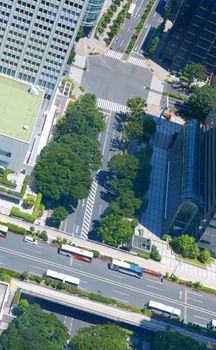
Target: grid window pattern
x,y
36,37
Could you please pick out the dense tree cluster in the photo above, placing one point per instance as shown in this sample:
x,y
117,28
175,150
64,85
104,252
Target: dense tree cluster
x,y
195,72
202,101
131,179
34,330
106,337
187,247
63,171
174,341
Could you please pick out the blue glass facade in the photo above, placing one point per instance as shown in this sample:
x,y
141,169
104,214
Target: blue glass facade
x,y
188,209
92,12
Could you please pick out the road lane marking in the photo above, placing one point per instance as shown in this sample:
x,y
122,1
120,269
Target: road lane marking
x,y
111,274
32,250
84,282
82,288
185,306
36,267
116,291
150,280
197,294
124,301
202,318
109,281
198,301
150,286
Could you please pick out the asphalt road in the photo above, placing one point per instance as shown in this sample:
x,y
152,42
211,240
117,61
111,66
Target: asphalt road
x,y
195,306
127,30
153,21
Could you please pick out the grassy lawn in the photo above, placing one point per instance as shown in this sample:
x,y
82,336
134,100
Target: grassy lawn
x,y
195,260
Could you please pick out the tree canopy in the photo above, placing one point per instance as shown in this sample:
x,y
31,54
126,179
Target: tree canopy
x,y
174,341
58,215
34,330
115,230
106,337
195,71
186,246
63,171
202,101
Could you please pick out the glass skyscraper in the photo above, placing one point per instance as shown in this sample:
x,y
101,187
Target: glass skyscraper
x,y
92,12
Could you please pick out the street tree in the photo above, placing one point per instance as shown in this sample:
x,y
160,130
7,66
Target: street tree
x,y
195,72
185,245
58,215
137,107
174,341
204,256
106,337
34,330
202,101
149,126
124,166
155,255
115,230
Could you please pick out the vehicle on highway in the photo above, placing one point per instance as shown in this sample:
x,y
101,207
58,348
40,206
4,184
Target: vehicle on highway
x,y
60,277
124,267
163,310
3,231
131,10
30,239
211,324
76,252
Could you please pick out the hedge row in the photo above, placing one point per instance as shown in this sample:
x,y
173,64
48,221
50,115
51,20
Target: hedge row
x,y
193,285
106,18
81,293
17,194
139,26
14,228
114,29
4,180
194,327
156,39
177,97
28,217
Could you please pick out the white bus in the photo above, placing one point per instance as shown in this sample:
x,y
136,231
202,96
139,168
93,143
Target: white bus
x,y
125,267
164,310
60,277
77,253
131,10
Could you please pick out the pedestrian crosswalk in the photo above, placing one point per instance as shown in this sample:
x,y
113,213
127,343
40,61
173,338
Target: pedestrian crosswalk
x,y
137,61
111,106
114,54
88,210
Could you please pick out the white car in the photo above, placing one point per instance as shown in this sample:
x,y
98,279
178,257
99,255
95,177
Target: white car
x,y
30,239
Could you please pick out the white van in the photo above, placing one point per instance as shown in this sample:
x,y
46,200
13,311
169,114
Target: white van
x,y
30,239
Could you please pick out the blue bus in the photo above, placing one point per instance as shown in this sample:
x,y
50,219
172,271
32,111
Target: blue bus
x,y
124,267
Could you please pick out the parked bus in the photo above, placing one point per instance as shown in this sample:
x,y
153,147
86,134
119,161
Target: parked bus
x,y
131,10
164,310
3,231
60,277
77,253
125,267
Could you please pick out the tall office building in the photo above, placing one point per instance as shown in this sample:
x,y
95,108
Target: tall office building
x,y
36,37
92,13
192,38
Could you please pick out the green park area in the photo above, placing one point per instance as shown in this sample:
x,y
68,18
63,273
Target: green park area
x,y
18,109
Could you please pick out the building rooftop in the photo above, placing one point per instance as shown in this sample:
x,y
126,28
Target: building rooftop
x,y
18,108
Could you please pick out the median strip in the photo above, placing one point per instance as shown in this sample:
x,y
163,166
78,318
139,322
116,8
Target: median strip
x,y
140,26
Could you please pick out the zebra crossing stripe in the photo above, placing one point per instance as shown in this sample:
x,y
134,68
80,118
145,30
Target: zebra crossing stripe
x,y
137,61
88,210
114,54
111,106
